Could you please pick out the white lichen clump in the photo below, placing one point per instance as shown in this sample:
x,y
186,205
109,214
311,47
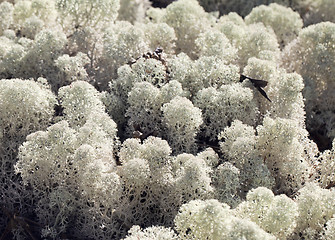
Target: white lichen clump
x,y
202,119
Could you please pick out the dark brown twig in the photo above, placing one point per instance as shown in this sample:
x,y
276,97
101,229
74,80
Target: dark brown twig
x,y
258,84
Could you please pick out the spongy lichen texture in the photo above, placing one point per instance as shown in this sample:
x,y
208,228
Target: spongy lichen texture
x,y
119,120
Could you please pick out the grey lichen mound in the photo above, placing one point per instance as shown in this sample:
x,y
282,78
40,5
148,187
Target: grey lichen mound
x,y
119,120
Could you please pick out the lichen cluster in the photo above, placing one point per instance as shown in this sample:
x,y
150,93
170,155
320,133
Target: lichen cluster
x,y
119,120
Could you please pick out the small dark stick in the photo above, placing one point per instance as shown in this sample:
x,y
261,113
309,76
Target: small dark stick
x,y
259,84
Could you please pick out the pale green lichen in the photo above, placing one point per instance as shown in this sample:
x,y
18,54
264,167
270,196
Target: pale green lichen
x,y
146,121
